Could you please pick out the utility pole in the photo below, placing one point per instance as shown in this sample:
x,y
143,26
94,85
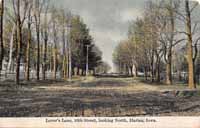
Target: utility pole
x,y
87,61
69,51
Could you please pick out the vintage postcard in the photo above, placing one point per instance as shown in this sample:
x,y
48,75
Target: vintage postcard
x,y
99,63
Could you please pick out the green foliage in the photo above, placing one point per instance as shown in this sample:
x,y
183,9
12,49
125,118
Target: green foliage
x,y
80,39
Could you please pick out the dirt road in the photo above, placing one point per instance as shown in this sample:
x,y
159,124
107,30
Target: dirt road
x,y
98,97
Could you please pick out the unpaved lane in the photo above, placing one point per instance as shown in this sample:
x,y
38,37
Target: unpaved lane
x,y
98,97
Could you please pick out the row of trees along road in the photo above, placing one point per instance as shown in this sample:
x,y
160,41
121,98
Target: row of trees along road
x,y
166,38
44,38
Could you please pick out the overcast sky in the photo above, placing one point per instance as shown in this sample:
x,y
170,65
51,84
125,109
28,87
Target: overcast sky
x,y
108,20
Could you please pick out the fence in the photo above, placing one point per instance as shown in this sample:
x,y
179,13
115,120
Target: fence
x,y
10,75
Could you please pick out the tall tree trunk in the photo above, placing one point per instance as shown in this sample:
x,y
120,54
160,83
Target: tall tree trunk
x,y
168,74
1,34
145,73
54,51
54,62
194,69
27,72
38,52
65,67
64,54
37,25
158,69
19,43
169,50
44,69
136,71
169,67
189,47
152,66
158,74
82,72
51,58
94,72
45,58
11,48
169,64
45,37
131,70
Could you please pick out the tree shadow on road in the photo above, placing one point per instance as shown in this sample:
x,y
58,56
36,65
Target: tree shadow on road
x,y
103,83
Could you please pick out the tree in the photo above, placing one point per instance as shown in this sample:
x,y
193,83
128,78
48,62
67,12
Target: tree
x,y
192,43
189,46
168,45
168,33
123,58
45,36
146,36
81,43
55,40
11,48
59,50
64,21
20,18
94,58
1,34
103,68
29,22
193,39
37,14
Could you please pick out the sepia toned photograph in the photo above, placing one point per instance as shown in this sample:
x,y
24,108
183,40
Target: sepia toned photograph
x,y
99,58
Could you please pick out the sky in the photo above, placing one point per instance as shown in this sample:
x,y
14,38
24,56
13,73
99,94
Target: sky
x,y
108,20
